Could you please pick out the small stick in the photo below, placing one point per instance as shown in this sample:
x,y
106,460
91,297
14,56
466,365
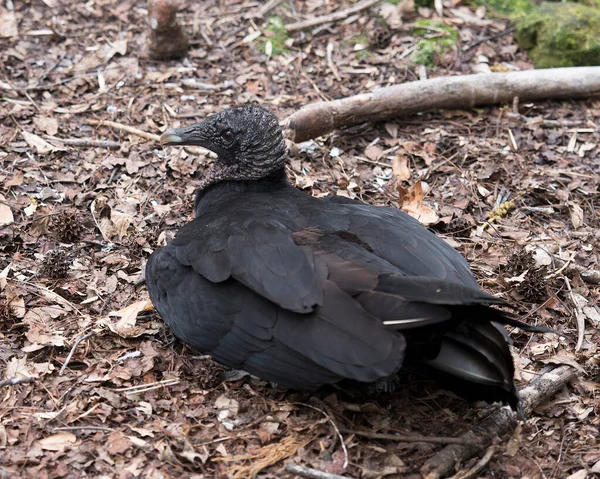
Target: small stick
x,y
474,471
148,136
312,473
410,437
15,381
77,341
538,209
331,63
562,268
337,431
126,128
332,17
142,386
87,142
84,428
266,8
486,39
579,315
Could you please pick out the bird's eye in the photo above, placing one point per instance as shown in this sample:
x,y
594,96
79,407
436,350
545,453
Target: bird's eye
x,y
227,135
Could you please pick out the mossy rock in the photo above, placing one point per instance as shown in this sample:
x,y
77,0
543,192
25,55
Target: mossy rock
x,y
561,35
428,48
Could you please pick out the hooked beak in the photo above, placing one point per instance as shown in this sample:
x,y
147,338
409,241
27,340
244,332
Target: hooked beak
x,y
171,137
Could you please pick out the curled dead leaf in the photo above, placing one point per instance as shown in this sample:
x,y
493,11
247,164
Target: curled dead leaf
x,y
411,201
576,215
125,326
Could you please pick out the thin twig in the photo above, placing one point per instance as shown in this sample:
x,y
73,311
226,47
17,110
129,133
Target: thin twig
x,y
409,437
332,17
337,431
488,38
474,471
77,341
142,388
331,63
579,316
312,473
15,381
151,388
126,128
562,268
87,142
266,8
84,428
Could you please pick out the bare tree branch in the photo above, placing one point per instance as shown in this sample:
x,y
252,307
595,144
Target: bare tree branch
x,y
464,91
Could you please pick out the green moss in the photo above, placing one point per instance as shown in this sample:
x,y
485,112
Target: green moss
x,y
279,35
362,54
444,38
507,8
361,39
561,35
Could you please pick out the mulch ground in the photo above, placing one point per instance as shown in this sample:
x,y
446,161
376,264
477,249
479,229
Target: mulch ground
x,y
514,189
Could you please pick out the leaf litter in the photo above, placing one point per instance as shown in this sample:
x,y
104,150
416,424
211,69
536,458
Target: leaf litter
x,y
78,223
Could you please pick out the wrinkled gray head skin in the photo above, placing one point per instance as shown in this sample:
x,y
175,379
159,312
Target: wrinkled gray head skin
x,y
248,142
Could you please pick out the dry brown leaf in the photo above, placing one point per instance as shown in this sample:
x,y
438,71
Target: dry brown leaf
x,y
117,443
411,201
576,215
373,153
15,301
129,314
400,168
4,276
39,144
125,326
425,151
47,124
15,180
6,215
58,442
8,24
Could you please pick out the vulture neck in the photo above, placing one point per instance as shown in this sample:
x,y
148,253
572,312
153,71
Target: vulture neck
x,y
217,192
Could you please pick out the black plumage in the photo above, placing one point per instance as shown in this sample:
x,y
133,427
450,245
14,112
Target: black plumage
x,y
304,291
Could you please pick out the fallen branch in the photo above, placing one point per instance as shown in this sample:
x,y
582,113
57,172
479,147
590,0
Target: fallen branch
x,y
332,17
15,381
312,473
464,91
499,423
411,437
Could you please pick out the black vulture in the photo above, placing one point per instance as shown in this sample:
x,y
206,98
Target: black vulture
x,y
305,292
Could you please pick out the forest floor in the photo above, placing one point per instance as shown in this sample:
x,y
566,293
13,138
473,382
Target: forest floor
x,y
79,222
